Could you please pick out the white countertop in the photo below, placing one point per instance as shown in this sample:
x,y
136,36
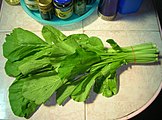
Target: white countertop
x,y
139,84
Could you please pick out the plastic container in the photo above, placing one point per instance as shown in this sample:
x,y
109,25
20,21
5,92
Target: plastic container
x,y
129,6
32,4
56,21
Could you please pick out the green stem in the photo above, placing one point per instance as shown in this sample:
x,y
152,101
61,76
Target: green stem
x,y
140,47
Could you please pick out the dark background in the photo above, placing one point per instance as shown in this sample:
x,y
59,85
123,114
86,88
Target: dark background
x,y
158,7
154,111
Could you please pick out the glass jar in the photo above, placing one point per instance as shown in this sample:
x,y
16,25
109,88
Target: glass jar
x,y
46,9
108,9
79,7
13,2
32,4
63,8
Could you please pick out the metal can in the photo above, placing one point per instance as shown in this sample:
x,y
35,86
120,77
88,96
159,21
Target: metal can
x,y
108,9
79,7
46,9
63,8
13,2
32,4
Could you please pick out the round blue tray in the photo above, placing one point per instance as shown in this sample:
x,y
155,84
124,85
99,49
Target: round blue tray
x,y
56,21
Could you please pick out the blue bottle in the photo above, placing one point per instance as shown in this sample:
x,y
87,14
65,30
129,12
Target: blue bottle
x,y
129,6
108,9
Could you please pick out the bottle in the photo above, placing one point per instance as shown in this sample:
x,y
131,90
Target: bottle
x,y
13,2
79,7
108,9
32,4
46,9
129,6
63,8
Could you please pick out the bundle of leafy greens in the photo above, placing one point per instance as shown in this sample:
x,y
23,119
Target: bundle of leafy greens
x,y
68,65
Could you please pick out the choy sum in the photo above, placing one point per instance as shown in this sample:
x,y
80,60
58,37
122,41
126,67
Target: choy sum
x,y
69,66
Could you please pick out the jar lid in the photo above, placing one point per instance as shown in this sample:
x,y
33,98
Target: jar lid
x,y
44,2
13,2
62,1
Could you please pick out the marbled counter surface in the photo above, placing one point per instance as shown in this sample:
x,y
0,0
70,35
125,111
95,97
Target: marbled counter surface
x,y
138,83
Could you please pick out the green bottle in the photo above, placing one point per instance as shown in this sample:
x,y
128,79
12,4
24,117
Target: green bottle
x,y
79,7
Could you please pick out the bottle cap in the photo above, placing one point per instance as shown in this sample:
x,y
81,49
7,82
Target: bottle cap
x,y
62,1
13,2
45,4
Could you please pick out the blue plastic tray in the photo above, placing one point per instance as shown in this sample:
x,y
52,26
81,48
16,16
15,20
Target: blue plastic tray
x,y
56,21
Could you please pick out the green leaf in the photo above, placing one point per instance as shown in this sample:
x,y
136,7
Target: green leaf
x,y
21,43
52,35
11,68
39,88
82,91
20,106
96,42
81,39
34,65
29,64
89,44
110,68
77,63
110,86
84,40
69,46
107,84
114,45
65,91
98,84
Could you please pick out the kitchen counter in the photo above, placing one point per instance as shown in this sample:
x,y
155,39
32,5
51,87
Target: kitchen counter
x,y
139,84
